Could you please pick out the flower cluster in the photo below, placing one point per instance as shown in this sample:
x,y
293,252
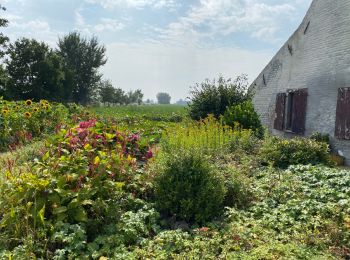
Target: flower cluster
x,y
20,121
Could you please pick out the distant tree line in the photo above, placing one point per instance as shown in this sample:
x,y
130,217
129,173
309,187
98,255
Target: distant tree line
x,y
31,69
112,95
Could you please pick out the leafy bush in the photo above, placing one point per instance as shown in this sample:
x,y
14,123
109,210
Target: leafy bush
x,y
213,97
189,188
320,137
78,192
285,152
245,116
244,141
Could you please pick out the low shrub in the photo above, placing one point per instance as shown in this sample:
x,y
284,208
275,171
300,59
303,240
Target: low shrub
x,y
245,116
282,153
189,188
239,194
244,141
320,137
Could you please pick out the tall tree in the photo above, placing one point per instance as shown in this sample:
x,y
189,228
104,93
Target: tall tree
x,y
3,44
107,92
35,71
82,58
138,96
163,98
3,39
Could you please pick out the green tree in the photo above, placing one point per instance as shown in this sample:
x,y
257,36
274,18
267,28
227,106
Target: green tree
x,y
3,39
163,98
107,92
120,96
35,71
136,96
82,58
213,97
3,44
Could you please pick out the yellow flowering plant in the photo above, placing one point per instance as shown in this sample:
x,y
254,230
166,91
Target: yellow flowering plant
x,y
20,121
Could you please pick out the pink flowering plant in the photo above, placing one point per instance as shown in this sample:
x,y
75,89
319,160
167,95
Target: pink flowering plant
x,y
87,176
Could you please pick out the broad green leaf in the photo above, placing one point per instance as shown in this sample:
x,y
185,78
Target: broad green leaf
x,y
80,215
59,210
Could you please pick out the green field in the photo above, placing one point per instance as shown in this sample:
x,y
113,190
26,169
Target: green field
x,y
146,182
148,111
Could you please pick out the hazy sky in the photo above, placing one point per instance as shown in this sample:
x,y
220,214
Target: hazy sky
x,y
166,45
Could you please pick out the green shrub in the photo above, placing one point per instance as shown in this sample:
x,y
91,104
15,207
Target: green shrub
x,y
239,194
189,188
245,116
282,153
320,137
213,97
244,140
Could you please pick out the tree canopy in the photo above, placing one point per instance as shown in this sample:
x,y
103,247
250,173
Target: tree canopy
x,y
213,97
34,71
81,60
163,98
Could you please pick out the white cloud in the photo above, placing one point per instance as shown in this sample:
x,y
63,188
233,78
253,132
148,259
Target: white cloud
x,y
223,17
109,25
38,29
105,24
157,4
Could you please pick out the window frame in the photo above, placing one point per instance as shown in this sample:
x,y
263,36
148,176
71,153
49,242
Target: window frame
x,y
295,110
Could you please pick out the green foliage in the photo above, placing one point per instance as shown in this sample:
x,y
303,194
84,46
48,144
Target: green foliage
x,y
244,141
110,95
163,98
209,136
157,113
320,137
188,188
284,152
3,39
78,197
81,59
34,70
92,192
22,121
213,97
245,116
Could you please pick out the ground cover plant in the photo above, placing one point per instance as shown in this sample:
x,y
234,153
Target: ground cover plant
x,y
118,185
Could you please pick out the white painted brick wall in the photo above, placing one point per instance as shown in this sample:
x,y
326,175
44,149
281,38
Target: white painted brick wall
x,y
320,62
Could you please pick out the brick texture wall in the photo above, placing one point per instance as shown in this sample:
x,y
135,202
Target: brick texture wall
x,y
317,57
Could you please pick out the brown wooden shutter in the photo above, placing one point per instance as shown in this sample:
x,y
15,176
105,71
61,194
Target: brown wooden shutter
x,y
342,124
280,111
299,111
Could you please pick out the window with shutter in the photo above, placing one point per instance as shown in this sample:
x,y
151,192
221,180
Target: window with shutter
x,y
299,111
291,111
280,111
342,124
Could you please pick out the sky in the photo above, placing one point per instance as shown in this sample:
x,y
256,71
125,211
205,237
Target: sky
x,y
165,45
